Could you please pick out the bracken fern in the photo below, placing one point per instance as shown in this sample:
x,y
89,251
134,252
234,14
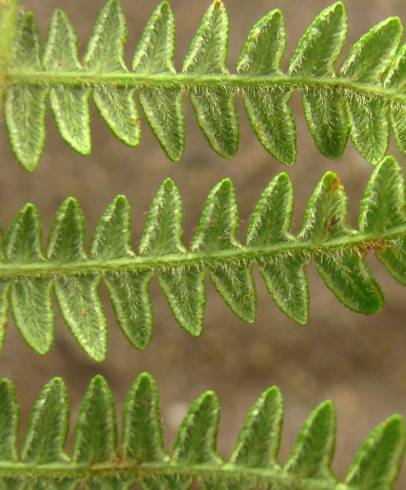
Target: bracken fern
x,y
28,274
362,100
102,462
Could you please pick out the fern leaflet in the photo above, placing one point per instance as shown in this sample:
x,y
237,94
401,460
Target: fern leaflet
x,y
28,274
102,461
362,101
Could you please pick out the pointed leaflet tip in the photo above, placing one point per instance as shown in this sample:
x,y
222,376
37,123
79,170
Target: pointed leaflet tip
x,y
377,463
48,426
169,184
99,382
372,54
388,161
142,427
112,235
219,220
264,47
321,44
337,6
383,205
28,210
225,185
259,439
105,51
66,238
197,435
163,227
24,238
145,381
313,452
96,431
121,200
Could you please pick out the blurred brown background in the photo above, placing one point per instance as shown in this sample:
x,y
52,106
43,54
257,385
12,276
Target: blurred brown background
x,y
357,361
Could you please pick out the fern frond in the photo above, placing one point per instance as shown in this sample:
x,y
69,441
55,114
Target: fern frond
x,y
28,274
362,100
101,460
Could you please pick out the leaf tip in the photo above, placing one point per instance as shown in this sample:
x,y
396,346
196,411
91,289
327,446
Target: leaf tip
x,y
225,185
145,381
69,205
29,209
121,200
6,383
327,407
273,392
168,185
98,382
165,5
208,400
338,6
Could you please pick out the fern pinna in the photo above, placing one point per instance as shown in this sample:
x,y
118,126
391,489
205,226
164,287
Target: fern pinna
x,y
102,462
28,274
362,100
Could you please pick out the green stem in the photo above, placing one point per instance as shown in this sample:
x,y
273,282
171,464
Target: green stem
x,y
190,81
272,478
365,242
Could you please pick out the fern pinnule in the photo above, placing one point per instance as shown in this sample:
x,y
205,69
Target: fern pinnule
x,y
29,274
362,100
101,459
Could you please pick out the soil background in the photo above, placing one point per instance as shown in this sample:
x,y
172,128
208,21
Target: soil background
x,y
357,361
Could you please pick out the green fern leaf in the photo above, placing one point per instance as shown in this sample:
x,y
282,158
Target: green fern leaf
x,y
25,103
9,420
396,79
214,107
259,440
383,207
70,105
95,435
132,306
9,12
363,99
197,439
142,427
315,56
112,238
4,307
28,275
30,296
346,274
267,108
162,107
100,463
183,288
48,426
314,450
77,296
368,60
283,275
377,463
106,53
217,232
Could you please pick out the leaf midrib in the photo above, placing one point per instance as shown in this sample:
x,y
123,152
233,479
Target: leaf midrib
x,y
136,471
365,242
190,81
